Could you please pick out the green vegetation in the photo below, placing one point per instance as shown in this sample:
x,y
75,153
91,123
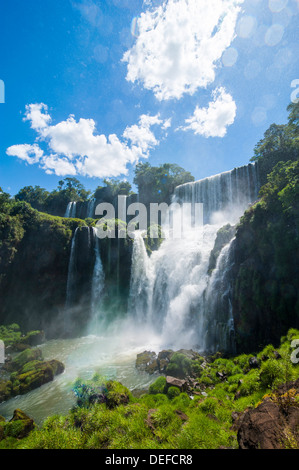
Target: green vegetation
x,y
107,416
280,144
265,275
156,184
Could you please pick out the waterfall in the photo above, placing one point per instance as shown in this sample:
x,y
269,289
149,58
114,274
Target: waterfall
x,y
97,287
217,323
71,210
85,281
172,290
227,193
140,280
91,209
71,272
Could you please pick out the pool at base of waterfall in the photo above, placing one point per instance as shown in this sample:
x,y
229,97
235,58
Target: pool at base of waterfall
x,y
113,357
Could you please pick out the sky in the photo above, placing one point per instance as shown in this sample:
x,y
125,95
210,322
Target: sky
x,y
92,87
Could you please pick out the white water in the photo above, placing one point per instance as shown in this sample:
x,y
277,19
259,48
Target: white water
x,y
98,283
71,210
172,290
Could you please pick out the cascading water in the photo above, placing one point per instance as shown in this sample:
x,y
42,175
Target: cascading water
x,y
71,210
141,278
228,193
173,289
85,281
97,287
91,208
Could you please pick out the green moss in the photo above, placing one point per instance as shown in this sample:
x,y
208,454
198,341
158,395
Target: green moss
x,y
173,392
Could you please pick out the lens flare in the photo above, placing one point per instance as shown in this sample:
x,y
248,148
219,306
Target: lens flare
x,y
134,27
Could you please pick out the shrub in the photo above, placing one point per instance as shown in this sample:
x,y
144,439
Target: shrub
x,y
158,386
173,392
271,373
179,365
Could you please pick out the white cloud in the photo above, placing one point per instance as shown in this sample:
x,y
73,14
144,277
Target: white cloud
x,y
179,45
34,114
213,120
76,148
29,153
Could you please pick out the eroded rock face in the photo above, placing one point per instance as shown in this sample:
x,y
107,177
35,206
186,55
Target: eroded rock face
x,y
273,424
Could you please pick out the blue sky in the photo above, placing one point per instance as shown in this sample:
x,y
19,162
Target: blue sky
x,y
92,87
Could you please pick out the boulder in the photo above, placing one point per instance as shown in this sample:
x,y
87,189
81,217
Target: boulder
x,y
147,362
18,427
273,424
174,382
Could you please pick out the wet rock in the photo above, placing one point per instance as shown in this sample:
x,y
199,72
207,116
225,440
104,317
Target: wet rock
x,y
18,427
147,362
253,363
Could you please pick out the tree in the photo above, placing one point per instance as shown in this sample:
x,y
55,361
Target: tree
x,y
280,143
112,189
157,184
35,196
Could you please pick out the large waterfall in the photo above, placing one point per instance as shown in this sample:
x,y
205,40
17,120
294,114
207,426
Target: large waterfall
x,y
177,292
227,193
173,291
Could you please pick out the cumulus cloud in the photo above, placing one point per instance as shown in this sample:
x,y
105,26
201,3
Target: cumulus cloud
x,y
29,153
213,120
179,45
75,147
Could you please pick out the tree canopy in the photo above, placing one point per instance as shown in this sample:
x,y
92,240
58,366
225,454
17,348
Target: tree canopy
x,y
157,184
280,143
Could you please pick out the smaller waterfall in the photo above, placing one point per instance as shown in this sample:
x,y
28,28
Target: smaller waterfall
x,y
71,210
97,287
140,287
91,209
71,273
217,323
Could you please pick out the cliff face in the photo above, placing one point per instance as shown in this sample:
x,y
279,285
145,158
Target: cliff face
x,y
266,270
34,263
34,266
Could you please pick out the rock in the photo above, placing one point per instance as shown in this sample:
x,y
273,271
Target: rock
x,y
221,375
19,426
164,359
34,338
34,374
5,390
253,363
24,357
147,362
181,415
148,421
174,382
273,424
